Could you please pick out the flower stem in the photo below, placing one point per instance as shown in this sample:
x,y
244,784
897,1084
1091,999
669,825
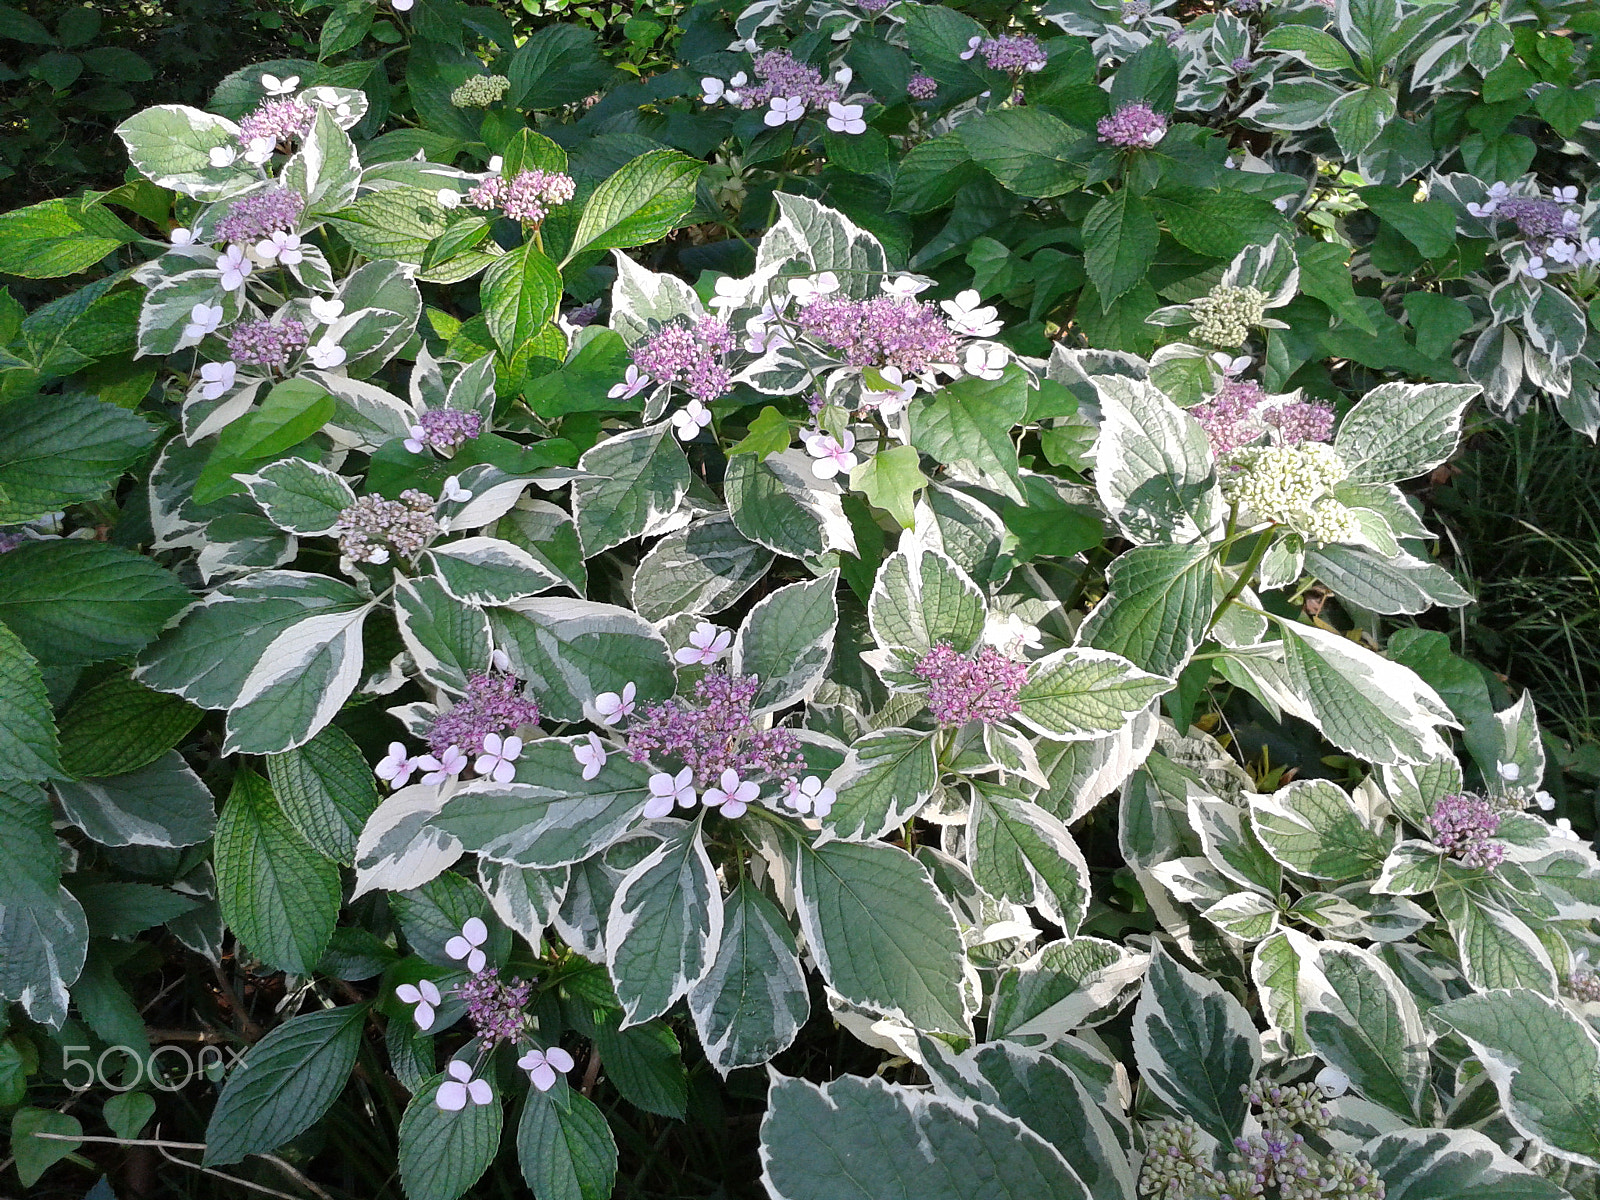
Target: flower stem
x,y
1257,553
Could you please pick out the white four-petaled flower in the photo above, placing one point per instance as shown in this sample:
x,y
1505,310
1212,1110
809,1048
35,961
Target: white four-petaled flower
x,y
452,490
466,944
203,320
834,455
897,395
986,362
235,266
461,1086
811,287
732,795
1230,365
425,995
729,292
258,151
543,1065
396,766
904,286
447,766
326,354
810,797
216,378
846,118
973,43
784,109
706,645
498,755
221,156
282,247
1509,771
969,316
415,442
612,707
689,420
591,755
667,790
181,236
634,382
273,86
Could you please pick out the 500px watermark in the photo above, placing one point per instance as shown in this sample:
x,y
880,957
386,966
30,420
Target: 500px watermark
x,y
168,1068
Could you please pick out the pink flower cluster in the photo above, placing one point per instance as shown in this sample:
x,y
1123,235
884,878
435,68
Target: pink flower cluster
x,y
885,331
1465,827
715,732
1010,52
261,215
447,428
1237,414
690,355
1133,125
266,342
780,74
922,87
527,197
277,121
1537,219
962,688
491,706
495,1007
1300,421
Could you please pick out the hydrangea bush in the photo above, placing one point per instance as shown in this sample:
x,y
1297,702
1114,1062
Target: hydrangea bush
x,y
840,535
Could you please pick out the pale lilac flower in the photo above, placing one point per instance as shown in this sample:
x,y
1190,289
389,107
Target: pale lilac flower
x,y
395,767
454,1092
402,5
963,688
216,378
235,266
444,429
542,1066
893,398
1011,632
448,198
258,150
882,332
810,797
973,43
632,384
986,362
270,342
274,121
813,287
1562,251
843,76
1534,268
904,286
689,420
713,89
453,491
846,118
1544,800
665,790
833,454
283,247
1481,211
181,236
498,755
1012,53
707,644
729,292
1588,252
221,156
732,796
612,707
1332,1081
446,766
783,110
1566,195
500,660
971,317
592,756
1230,365
1562,828
273,86
325,355
203,320
466,944
327,309
425,995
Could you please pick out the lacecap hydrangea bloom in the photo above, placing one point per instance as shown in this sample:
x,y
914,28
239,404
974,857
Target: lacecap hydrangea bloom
x,y
277,121
259,216
977,687
491,706
1132,126
716,732
885,331
267,343
1239,412
1291,486
779,75
480,91
372,526
1225,315
1464,826
443,429
527,197
690,355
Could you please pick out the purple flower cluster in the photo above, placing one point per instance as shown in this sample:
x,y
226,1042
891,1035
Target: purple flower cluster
x,y
922,87
962,688
372,524
1300,421
491,705
1242,64
1010,52
261,215
690,355
447,428
277,121
527,197
267,342
715,732
1229,417
495,1007
1465,827
873,6
885,331
1538,219
779,73
1135,124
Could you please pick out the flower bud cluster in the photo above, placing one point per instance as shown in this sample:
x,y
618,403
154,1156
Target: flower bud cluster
x,y
268,342
260,216
1464,826
909,335
716,732
961,688
780,75
1133,125
1175,1166
1225,315
445,429
1013,53
1583,984
495,1007
528,197
277,121
1289,485
922,87
372,526
480,91
491,705
690,355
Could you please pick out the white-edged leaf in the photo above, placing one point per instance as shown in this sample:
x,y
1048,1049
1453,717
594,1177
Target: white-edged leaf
x,y
1153,466
448,640
161,804
1402,430
921,598
399,848
1452,1164
1361,1019
777,502
888,776
753,1001
485,570
1312,827
572,650
299,496
786,641
1019,852
1157,608
1065,985
1078,694
302,679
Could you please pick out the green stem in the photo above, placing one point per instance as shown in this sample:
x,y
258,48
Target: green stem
x,y
1245,573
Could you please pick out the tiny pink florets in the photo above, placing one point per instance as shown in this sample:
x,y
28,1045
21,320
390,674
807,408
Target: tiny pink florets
x,y
885,331
527,197
1465,827
278,121
690,355
961,688
491,705
1011,52
1133,125
716,732
780,74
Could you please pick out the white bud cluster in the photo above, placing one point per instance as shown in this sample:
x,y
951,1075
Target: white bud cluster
x,y
1290,485
1225,315
480,91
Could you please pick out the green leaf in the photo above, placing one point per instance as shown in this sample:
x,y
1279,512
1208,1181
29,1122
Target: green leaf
x,y
967,427
1021,853
1217,224
1150,75
1048,525
73,602
572,650
1402,430
921,598
277,894
702,568
120,725
565,1146
1157,606
1357,118
394,223
1312,827
1325,274
1453,1164
1544,1063
28,747
642,202
645,1063
1120,236
128,1113
43,933
59,237
1026,149
171,146
883,936
1195,1047
664,926
637,479
285,1083
1076,694
816,1142
786,641
292,411
556,65
35,1155
888,776
162,803
442,1154
753,1001
776,502
932,173
1566,108
1311,46
770,433
891,479
521,293
326,789
1361,1019
1429,225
